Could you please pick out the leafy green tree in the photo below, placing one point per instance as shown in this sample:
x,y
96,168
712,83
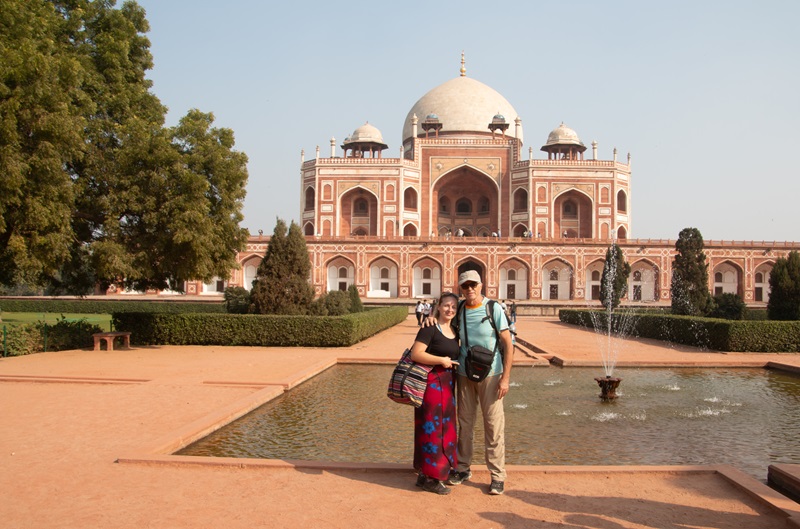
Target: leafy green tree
x,y
784,284
689,287
614,282
99,190
281,285
355,299
42,118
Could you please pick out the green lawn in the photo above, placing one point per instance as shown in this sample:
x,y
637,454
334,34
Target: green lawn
x,y
13,318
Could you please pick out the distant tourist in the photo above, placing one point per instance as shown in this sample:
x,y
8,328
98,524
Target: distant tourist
x,y
426,309
418,310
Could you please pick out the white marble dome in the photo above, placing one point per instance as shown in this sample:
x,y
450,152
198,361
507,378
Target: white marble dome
x,y
563,135
462,105
365,133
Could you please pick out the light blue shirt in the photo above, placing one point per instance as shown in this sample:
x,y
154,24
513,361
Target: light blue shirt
x,y
481,333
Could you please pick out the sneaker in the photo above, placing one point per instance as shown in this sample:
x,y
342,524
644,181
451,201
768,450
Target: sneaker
x,y
420,480
457,478
435,486
496,488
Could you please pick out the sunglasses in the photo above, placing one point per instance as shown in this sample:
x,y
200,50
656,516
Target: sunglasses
x,y
470,285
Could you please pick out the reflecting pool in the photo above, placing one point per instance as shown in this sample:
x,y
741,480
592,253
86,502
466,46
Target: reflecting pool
x,y
683,416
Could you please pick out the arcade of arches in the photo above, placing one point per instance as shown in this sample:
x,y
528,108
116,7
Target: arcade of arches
x,y
520,269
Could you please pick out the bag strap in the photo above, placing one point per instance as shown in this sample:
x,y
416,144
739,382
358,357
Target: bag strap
x,y
490,316
462,312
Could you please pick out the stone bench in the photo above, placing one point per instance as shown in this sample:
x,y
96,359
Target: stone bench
x,y
109,339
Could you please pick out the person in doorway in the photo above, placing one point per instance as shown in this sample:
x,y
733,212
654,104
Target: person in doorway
x,y
488,393
435,433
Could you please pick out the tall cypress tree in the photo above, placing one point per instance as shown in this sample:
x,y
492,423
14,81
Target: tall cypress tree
x,y
689,287
614,282
784,284
281,285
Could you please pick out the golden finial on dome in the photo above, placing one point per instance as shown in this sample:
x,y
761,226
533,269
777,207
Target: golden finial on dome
x,y
463,68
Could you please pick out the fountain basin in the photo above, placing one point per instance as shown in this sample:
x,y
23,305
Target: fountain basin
x,y
745,417
608,387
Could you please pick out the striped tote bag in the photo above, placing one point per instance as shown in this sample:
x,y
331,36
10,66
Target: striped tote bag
x,y
408,382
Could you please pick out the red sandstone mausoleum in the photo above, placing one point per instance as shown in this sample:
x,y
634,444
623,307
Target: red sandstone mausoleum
x,y
463,195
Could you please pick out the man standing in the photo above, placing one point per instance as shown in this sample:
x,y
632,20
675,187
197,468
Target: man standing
x,y
488,393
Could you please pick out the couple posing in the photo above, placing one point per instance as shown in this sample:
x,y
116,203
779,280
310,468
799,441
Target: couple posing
x,y
440,455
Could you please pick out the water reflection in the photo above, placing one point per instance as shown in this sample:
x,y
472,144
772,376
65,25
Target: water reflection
x,y
743,417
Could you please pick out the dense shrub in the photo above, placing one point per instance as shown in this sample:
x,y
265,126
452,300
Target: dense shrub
x,y
22,339
94,306
729,306
711,333
256,329
37,337
237,300
317,307
337,303
70,335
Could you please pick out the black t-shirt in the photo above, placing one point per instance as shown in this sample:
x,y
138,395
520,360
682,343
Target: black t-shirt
x,y
438,344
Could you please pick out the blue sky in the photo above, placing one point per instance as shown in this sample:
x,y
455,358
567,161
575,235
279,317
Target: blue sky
x,y
705,95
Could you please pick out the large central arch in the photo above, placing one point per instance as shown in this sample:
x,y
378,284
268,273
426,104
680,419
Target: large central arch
x,y
359,213
467,199
573,214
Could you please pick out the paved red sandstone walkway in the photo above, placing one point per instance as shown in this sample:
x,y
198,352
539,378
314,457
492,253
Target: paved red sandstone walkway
x,y
68,416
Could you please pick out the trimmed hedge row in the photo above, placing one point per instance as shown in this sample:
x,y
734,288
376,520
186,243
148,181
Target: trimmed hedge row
x,y
710,333
92,306
150,328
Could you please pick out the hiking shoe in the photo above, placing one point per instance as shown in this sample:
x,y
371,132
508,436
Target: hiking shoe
x,y
435,486
457,478
420,480
496,488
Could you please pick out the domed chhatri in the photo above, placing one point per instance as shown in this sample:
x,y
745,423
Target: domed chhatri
x,y
461,105
366,132
563,143
563,135
365,139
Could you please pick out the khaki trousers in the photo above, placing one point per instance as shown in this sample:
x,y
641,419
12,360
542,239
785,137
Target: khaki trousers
x,y
470,394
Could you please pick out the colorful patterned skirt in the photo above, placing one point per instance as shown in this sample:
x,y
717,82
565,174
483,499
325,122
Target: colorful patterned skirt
x,y
435,436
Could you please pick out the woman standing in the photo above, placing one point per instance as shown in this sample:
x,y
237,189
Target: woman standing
x,y
434,422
